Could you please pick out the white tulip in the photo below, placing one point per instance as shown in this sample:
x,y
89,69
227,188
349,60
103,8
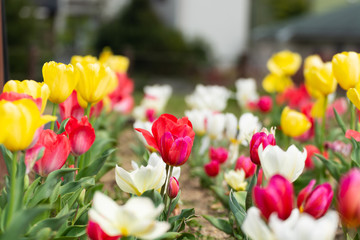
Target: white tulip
x,y
156,97
142,179
246,91
236,179
289,164
248,125
143,125
136,218
231,127
198,120
255,227
216,126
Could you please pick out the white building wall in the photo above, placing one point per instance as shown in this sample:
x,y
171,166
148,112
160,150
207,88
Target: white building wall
x,y
224,24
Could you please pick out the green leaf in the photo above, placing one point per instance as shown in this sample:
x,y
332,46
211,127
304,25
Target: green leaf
x,y
238,211
335,169
20,223
187,236
340,121
30,190
62,126
169,236
70,198
7,155
248,201
220,224
43,234
55,194
95,166
220,194
154,196
84,182
75,231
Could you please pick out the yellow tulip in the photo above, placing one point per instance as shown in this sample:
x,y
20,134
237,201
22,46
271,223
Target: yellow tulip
x,y
320,79
276,83
61,80
95,82
284,63
20,119
346,68
354,96
82,60
30,87
294,123
117,63
312,61
318,109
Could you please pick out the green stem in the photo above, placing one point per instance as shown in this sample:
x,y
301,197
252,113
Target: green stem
x,y
168,211
87,110
52,126
345,231
163,187
81,162
353,113
12,189
248,200
323,126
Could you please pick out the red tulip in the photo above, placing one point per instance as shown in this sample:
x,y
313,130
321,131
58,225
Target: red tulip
x,y
13,96
121,98
277,197
257,139
212,168
349,198
315,202
57,149
218,154
340,106
81,135
311,150
260,177
95,232
71,108
173,188
172,137
265,104
245,164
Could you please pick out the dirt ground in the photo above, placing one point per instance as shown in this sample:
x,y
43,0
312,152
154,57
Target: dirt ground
x,y
192,195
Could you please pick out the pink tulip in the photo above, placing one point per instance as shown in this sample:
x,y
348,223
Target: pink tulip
x,y
245,164
277,197
352,134
121,98
212,168
265,104
173,188
315,202
95,232
340,106
71,107
81,135
172,137
218,154
257,139
13,96
349,198
311,151
57,149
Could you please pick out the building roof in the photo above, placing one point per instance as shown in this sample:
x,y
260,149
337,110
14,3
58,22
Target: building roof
x,y
338,26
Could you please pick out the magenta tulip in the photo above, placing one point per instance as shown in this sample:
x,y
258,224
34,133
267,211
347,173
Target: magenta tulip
x,y
95,232
173,188
245,164
218,154
257,139
212,168
265,104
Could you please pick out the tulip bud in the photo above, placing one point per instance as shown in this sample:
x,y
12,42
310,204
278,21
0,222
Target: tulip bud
x,y
218,154
284,63
245,164
265,104
257,139
315,202
95,232
294,123
236,179
276,197
212,168
346,69
349,198
173,188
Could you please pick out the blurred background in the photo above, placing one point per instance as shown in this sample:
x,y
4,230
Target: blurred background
x,y
179,42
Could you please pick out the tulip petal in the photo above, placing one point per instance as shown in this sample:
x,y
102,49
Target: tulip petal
x,y
148,137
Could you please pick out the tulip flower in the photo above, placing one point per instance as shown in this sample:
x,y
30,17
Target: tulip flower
x,y
255,227
316,201
236,179
173,188
276,83
198,118
284,63
82,59
348,198
212,168
246,91
95,81
29,87
339,147
296,97
320,79
276,197
340,106
121,98
117,63
311,151
61,80
346,68
81,135
213,98
354,96
248,124
142,179
218,154
56,151
289,164
19,120
245,164
95,232
265,104
136,218
71,108
294,123
215,125
156,97
263,138
172,137
312,61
